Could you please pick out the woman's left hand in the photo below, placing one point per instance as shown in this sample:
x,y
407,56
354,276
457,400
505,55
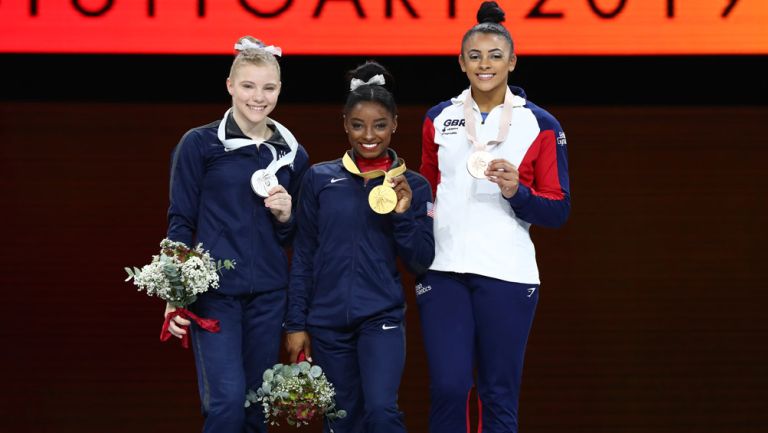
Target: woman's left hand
x,y
504,174
279,203
404,194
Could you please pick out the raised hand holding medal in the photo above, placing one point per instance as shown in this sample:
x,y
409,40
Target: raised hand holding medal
x,y
504,174
393,194
264,182
481,164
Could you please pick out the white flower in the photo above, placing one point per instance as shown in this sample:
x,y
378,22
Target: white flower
x,y
152,279
172,280
197,275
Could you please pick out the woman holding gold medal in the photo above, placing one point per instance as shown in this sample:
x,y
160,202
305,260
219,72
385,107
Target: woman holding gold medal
x,y
232,183
356,216
497,164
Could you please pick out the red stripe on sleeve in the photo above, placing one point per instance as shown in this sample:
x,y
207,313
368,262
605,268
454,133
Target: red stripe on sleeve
x,y
538,171
429,168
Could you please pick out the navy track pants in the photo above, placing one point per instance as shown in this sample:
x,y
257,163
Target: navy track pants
x,y
365,366
234,359
474,322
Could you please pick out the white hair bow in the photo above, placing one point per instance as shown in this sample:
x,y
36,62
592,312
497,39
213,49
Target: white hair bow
x,y
376,79
247,44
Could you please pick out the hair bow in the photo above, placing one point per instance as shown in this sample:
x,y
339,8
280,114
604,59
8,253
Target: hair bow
x,y
376,79
247,44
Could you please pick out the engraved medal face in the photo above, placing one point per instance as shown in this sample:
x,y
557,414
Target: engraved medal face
x,y
478,162
262,181
382,199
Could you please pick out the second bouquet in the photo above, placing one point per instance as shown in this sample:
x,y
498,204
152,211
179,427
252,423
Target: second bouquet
x,y
297,394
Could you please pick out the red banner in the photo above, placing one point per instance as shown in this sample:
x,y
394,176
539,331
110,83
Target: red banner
x,y
381,27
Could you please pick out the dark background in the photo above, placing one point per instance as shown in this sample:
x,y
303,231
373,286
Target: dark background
x,y
651,316
563,80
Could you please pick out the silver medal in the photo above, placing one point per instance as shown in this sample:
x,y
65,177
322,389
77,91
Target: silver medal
x,y
262,181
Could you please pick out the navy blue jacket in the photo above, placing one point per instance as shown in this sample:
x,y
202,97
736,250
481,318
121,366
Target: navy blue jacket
x,y
344,265
211,201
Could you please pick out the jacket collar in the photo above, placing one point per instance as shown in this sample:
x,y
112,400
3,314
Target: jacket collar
x,y
232,137
517,101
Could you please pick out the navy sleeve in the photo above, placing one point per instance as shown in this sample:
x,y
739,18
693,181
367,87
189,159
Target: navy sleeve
x,y
187,172
413,228
302,263
285,231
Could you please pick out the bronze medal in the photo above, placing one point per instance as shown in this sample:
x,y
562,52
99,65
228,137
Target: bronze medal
x,y
478,162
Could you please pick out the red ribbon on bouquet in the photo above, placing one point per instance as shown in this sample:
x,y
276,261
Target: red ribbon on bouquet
x,y
210,325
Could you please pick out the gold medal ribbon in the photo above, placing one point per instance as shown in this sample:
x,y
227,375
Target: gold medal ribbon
x,y
382,198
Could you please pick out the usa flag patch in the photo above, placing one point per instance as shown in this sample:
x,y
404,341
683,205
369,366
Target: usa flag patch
x,y
430,209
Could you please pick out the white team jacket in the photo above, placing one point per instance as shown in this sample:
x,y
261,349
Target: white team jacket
x,y
476,229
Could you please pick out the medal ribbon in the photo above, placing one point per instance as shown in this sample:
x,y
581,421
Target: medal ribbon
x,y
351,167
236,143
277,164
506,118
231,144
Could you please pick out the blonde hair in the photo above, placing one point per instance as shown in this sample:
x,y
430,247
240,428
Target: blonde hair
x,y
253,56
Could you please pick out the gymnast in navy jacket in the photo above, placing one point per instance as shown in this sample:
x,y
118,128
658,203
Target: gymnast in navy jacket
x,y
356,216
215,199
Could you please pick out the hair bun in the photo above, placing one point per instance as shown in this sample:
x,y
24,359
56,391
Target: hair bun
x,y
490,12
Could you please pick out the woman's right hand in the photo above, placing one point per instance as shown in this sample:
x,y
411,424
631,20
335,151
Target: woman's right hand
x,y
404,193
279,203
297,342
178,324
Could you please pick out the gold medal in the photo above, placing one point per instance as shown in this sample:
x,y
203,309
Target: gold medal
x,y
382,199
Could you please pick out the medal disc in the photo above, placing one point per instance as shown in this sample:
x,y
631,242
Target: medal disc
x,y
262,181
478,162
382,199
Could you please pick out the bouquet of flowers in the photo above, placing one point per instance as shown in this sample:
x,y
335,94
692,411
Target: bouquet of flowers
x,y
177,275
296,393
